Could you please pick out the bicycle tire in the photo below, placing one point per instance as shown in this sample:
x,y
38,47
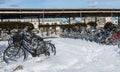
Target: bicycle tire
x,y
52,48
13,53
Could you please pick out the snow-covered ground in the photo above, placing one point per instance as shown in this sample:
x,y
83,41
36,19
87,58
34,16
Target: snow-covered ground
x,y
72,56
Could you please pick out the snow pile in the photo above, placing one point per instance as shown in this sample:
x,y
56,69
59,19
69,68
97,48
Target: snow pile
x,y
72,56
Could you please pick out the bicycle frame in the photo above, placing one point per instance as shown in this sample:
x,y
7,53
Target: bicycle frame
x,y
27,48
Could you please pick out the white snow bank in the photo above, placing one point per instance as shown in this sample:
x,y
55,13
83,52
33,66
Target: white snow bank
x,y
72,56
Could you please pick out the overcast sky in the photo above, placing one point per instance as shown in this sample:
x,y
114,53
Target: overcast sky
x,y
59,3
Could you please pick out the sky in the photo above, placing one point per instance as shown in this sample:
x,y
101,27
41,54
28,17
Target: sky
x,y
59,3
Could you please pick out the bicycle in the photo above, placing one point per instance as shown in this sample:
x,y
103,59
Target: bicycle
x,y
18,50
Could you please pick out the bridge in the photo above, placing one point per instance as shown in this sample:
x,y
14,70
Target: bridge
x,y
6,13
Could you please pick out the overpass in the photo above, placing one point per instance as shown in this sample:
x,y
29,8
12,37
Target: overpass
x,y
6,13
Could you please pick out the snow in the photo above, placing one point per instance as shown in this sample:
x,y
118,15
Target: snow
x,y
73,55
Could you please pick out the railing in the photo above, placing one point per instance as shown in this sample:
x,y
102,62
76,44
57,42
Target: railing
x,y
50,12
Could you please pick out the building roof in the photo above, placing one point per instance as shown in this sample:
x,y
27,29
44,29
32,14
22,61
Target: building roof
x,y
10,13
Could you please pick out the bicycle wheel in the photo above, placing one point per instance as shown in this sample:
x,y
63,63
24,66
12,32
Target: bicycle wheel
x,y
13,53
51,48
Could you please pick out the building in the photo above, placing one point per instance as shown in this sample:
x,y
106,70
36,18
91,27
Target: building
x,y
88,19
100,20
50,22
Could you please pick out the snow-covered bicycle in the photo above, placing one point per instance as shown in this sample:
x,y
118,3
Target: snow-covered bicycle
x,y
23,45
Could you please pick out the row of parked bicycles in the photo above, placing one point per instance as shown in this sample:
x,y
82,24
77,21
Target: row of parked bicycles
x,y
101,36
22,43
